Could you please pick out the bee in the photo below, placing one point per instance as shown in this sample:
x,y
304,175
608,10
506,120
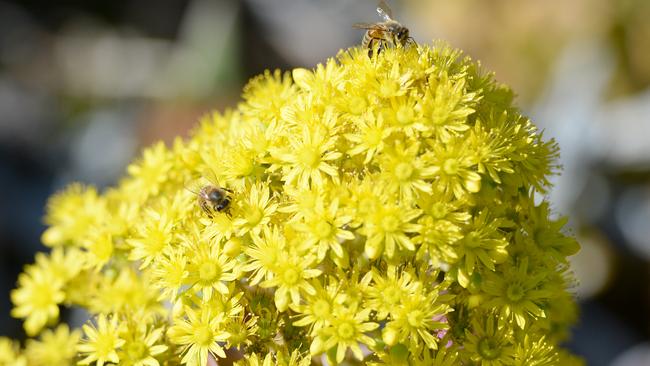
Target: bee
x,y
213,198
388,33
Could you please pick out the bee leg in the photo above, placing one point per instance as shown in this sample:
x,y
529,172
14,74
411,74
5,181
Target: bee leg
x,y
381,46
371,47
206,209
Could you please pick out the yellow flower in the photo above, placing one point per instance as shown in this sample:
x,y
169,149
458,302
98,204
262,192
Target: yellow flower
x,y
199,333
347,329
151,171
291,277
63,264
319,307
404,172
536,352
209,269
264,254
323,229
484,244
37,299
141,346
255,209
417,320
446,104
324,80
518,292
100,247
455,170
388,291
10,354
125,292
153,235
309,158
388,228
266,94
101,341
243,329
55,348
71,214
279,359
489,341
369,136
169,273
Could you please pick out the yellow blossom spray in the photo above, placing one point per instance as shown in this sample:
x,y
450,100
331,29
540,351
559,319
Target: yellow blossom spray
x,y
381,211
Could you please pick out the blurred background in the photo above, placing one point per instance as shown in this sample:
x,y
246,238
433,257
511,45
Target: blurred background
x,y
85,84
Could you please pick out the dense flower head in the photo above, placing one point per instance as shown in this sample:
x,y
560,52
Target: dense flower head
x,y
379,209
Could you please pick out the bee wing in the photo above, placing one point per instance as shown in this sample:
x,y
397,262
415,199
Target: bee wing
x,y
190,189
384,11
369,26
211,177
364,25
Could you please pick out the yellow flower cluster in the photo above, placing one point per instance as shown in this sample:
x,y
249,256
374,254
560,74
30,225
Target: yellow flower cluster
x,y
378,209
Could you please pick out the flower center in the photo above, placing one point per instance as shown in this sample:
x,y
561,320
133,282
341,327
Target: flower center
x,y
357,104
390,223
345,331
321,308
136,350
515,292
105,345
388,88
209,271
290,276
450,166
309,157
392,295
438,210
404,115
44,296
157,241
488,349
414,318
203,335
323,229
254,216
374,137
403,171
472,240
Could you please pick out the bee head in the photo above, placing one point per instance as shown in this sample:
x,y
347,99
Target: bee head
x,y
399,32
402,34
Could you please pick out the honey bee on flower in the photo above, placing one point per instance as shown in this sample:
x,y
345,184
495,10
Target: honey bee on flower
x,y
213,198
388,33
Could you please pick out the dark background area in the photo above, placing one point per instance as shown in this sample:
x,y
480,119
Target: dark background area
x,y
84,85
